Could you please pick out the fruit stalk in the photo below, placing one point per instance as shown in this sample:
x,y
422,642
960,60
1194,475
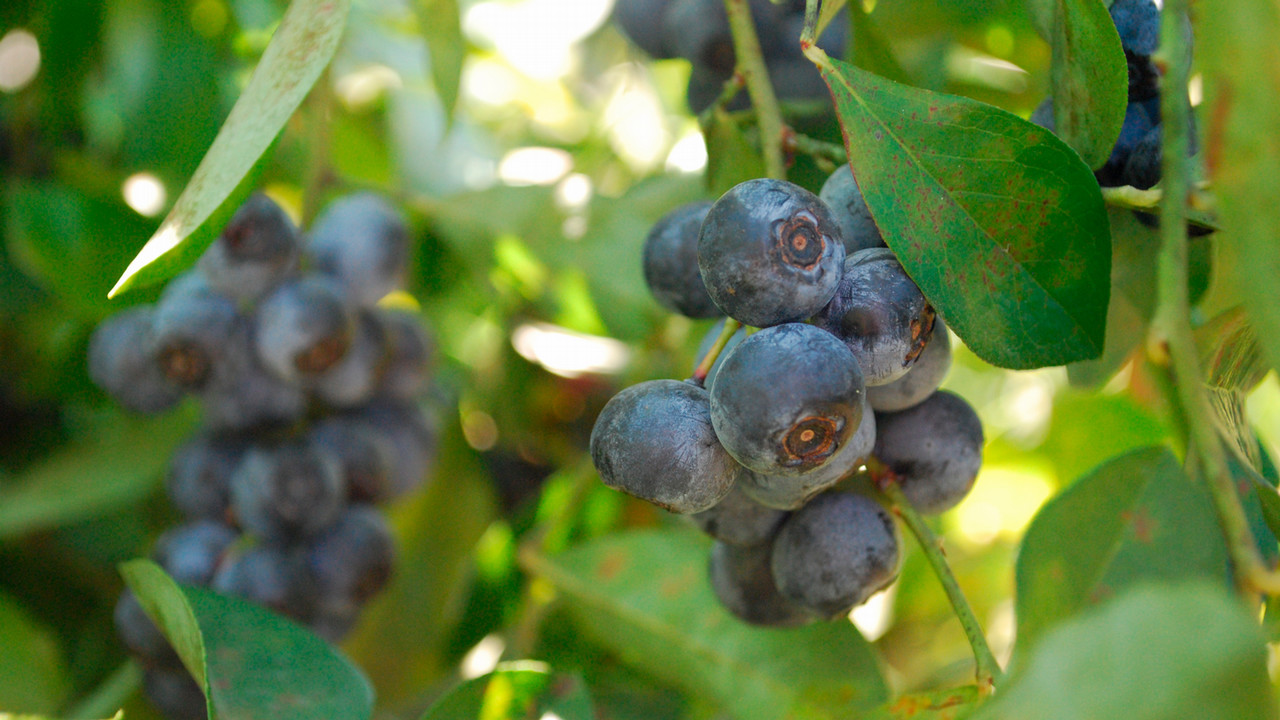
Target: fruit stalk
x,y
700,373
756,76
987,668
1171,328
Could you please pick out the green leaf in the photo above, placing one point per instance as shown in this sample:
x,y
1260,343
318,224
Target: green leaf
x,y
6,716
441,25
115,465
644,596
1157,652
827,13
33,677
1242,149
251,662
999,223
516,691
299,51
1138,517
731,158
1089,74
939,705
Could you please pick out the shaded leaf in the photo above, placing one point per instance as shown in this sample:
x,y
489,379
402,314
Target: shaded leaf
x,y
1136,518
998,221
731,158
1156,652
1090,78
827,13
871,51
299,51
515,691
1242,149
115,465
33,676
940,705
644,596
1229,351
441,25
251,662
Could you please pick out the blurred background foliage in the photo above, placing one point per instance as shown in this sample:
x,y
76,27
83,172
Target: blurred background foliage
x,y
532,146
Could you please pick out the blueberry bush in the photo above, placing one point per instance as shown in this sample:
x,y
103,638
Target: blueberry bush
x,y
610,359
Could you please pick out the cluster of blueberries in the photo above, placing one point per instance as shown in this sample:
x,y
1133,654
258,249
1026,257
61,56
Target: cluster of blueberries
x,y
1136,158
698,31
837,367
310,391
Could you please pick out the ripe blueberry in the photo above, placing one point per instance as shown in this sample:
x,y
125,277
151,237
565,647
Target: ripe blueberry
x,y
303,328
287,492
770,252
934,449
743,583
121,364
857,227
190,553
255,251
363,243
655,441
353,557
834,553
921,380
787,399
191,329
739,520
671,262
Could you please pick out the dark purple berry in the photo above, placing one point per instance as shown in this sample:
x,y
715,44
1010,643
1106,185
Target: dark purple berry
x,y
191,331
287,492
367,458
353,557
200,476
303,328
655,441
256,250
787,399
408,357
244,395
743,582
934,449
411,434
122,364
880,314
352,380
363,243
671,262
924,377
834,553
270,576
739,520
770,252
141,636
175,693
190,553
857,227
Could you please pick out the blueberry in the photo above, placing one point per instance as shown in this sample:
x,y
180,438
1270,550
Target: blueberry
x,y
739,520
270,576
1138,22
190,553
141,636
410,433
352,380
834,553
698,30
921,380
789,492
743,583
200,472
787,399
934,449
333,617
1043,114
857,227
120,362
243,394
1144,167
191,329
255,251
287,492
365,456
770,252
175,693
303,328
363,243
641,21
1137,124
409,353
705,346
655,441
880,314
671,262
353,557
1144,77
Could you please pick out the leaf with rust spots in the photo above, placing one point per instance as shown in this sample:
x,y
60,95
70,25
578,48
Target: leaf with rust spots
x,y
1136,518
657,613
998,221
